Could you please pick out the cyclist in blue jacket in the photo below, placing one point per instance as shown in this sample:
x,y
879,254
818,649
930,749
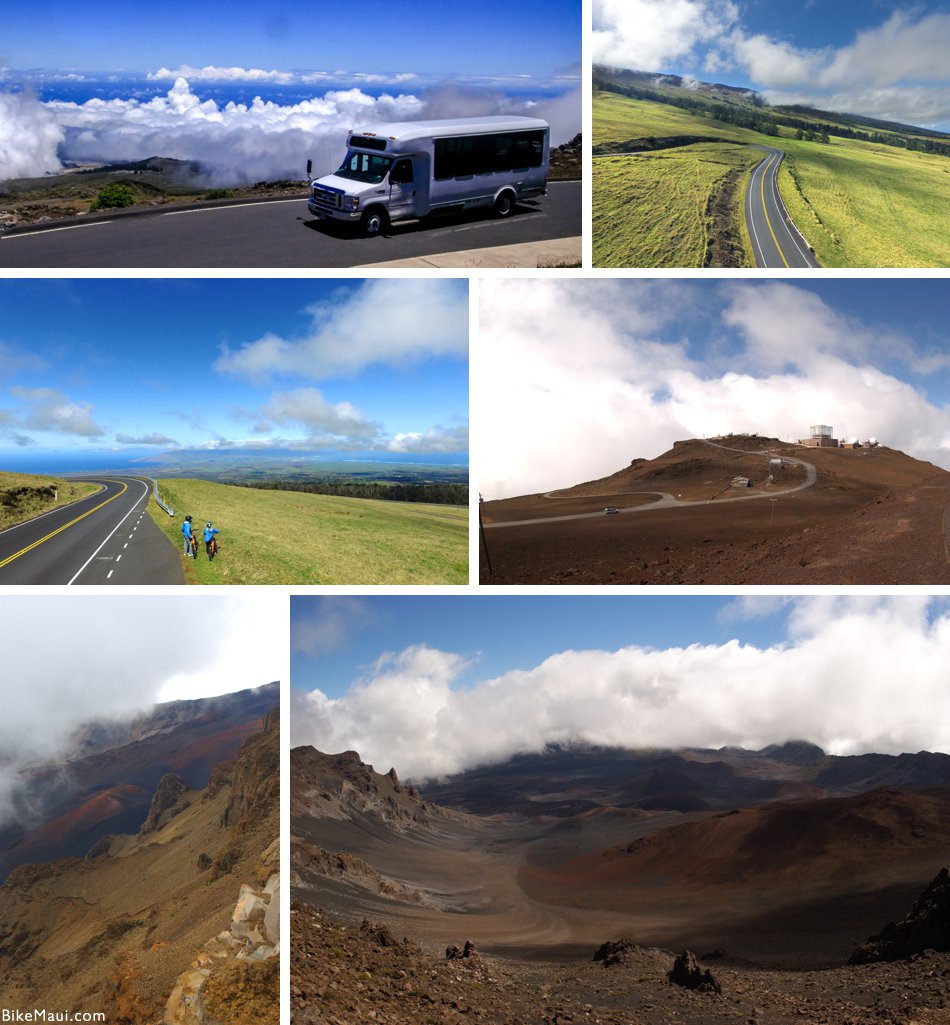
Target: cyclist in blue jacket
x,y
209,536
187,535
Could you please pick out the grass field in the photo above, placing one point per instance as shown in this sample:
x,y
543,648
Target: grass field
x,y
867,205
860,204
660,209
23,496
285,537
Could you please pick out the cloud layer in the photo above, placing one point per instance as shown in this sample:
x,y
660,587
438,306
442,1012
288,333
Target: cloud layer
x,y
236,143
554,413
115,657
896,70
840,680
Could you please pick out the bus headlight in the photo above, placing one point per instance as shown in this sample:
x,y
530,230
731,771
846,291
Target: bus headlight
x,y
351,202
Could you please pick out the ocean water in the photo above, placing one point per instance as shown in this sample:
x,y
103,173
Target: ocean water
x,y
88,86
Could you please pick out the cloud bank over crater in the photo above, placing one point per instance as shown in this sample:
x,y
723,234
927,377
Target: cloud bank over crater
x,y
833,681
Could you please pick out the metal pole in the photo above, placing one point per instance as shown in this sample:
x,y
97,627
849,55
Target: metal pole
x,y
481,531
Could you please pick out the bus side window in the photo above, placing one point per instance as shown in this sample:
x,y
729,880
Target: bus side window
x,y
401,174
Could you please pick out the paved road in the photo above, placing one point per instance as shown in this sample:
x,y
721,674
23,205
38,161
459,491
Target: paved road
x,y
106,538
280,233
667,501
775,241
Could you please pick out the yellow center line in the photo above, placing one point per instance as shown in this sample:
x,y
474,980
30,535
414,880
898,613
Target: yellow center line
x,y
769,223
58,530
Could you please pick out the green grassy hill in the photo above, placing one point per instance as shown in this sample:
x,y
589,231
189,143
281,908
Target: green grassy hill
x,y
285,537
25,495
869,195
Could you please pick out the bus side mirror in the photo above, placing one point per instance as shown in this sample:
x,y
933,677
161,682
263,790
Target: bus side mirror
x,y
309,167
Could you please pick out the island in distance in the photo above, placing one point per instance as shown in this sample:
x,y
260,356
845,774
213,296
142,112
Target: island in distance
x,y
738,509
626,887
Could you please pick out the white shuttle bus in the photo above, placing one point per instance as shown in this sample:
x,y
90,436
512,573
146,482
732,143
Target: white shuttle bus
x,y
403,170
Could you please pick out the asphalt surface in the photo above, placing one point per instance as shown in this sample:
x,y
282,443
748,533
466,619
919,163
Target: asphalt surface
x,y
665,500
775,240
107,538
278,233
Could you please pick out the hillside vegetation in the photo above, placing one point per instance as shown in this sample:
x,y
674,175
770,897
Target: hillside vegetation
x,y
23,495
865,193
285,537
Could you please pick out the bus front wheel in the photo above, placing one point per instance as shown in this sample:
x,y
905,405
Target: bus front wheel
x,y
505,204
374,221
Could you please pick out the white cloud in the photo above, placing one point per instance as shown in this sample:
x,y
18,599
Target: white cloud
x,y
145,439
435,439
554,413
212,73
650,35
895,71
388,321
29,137
237,142
308,407
84,676
832,682
46,409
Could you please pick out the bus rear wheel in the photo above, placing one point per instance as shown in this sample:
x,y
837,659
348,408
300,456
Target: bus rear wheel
x,y
505,204
374,221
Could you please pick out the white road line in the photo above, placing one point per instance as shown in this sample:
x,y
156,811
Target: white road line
x,y
233,206
126,545
781,206
109,574
119,524
118,557
46,231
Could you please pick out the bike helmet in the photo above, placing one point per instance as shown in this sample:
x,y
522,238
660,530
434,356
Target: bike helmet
x,y
208,524
188,518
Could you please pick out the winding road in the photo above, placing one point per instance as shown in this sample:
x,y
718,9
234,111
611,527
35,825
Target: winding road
x,y
105,538
277,233
668,501
776,242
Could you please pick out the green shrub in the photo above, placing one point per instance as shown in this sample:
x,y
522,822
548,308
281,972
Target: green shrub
x,y
115,195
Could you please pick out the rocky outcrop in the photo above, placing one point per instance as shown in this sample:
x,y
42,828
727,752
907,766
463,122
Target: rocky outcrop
x,y
168,793
686,972
927,927
235,977
255,787
615,952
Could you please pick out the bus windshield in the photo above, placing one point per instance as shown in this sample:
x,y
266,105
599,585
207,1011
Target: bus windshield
x,y
364,167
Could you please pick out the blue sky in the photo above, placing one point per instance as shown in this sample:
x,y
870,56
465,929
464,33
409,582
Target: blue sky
x,y
880,59
368,369
531,38
665,360
439,684
335,641
251,90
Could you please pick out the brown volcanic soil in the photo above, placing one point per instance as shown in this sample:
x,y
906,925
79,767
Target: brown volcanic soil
x,y
792,884
355,974
874,516
112,932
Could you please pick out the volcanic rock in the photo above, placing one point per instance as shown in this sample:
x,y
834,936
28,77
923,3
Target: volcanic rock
x,y
687,973
615,952
927,927
167,794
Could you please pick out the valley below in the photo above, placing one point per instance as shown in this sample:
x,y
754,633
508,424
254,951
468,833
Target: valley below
x,y
771,866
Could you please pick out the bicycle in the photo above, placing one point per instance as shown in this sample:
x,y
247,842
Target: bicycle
x,y
194,547
212,547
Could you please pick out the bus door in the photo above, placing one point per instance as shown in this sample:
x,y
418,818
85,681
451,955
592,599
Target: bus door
x,y
402,190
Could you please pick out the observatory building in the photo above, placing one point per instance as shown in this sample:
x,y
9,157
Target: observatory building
x,y
822,436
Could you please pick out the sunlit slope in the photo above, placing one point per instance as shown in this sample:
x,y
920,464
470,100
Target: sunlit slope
x,y
286,537
860,204
24,495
